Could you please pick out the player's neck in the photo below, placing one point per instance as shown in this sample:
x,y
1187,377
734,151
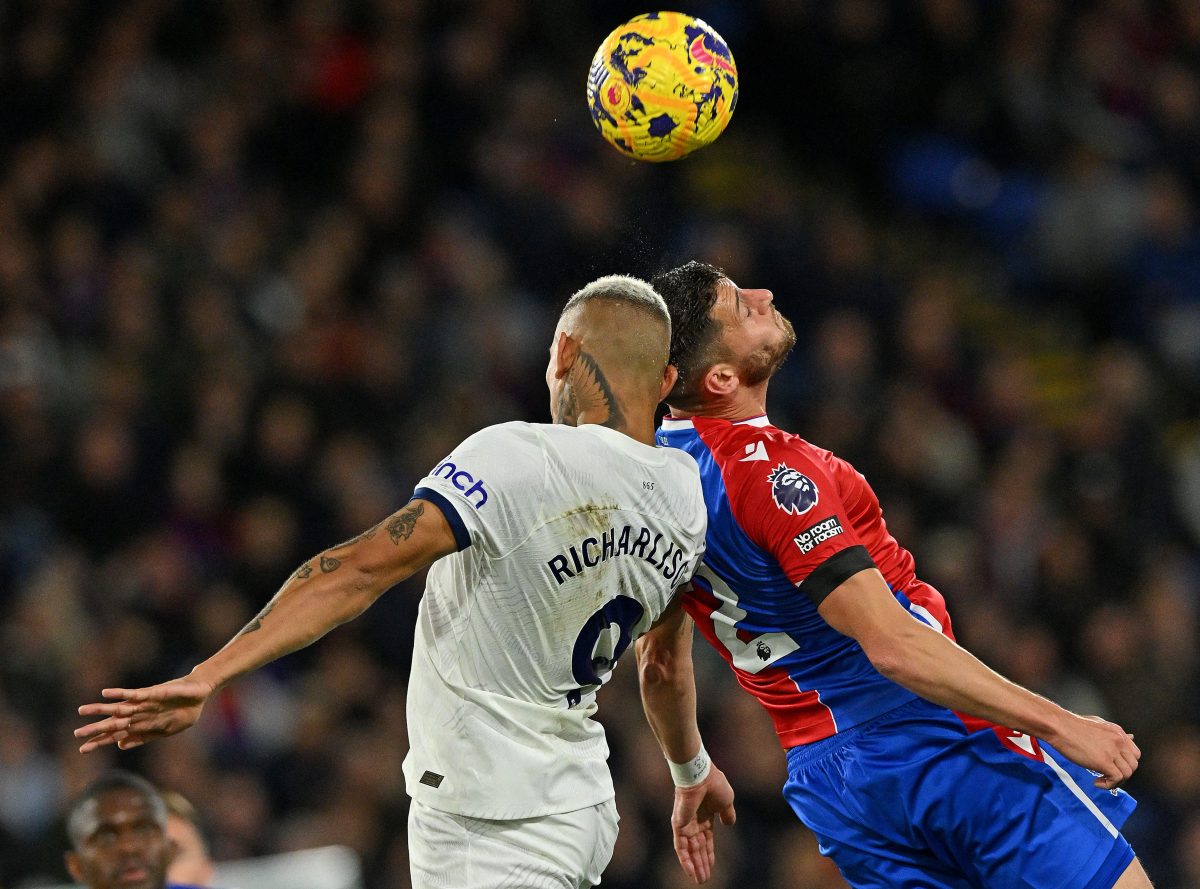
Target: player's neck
x,y
739,405
639,424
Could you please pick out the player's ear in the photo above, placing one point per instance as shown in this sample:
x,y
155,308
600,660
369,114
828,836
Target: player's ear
x,y
73,867
720,380
670,375
565,353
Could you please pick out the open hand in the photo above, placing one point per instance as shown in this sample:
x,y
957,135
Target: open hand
x,y
693,820
137,715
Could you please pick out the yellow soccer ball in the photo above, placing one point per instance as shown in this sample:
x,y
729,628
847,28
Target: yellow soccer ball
x,y
661,86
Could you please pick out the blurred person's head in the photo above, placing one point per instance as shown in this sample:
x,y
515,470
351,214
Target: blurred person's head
x,y
1187,851
118,833
105,452
1175,767
191,865
846,345
285,432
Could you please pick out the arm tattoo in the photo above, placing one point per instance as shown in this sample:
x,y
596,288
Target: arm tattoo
x,y
401,525
328,563
593,392
257,623
303,572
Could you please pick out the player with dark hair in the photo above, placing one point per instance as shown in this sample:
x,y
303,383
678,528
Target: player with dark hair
x,y
551,547
118,832
896,756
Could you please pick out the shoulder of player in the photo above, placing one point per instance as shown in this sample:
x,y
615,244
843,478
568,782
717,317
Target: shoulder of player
x,y
517,437
514,451
742,447
514,433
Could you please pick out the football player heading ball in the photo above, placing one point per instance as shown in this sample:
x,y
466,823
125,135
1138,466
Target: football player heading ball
x,y
912,762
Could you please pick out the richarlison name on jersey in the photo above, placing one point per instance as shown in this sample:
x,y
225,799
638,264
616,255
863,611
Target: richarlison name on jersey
x,y
631,541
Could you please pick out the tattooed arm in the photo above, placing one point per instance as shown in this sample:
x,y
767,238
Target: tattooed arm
x,y
326,591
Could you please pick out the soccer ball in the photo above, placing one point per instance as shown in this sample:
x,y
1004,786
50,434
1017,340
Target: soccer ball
x,y
661,86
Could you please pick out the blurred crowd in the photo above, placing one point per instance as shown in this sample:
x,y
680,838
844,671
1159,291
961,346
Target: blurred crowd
x,y
264,262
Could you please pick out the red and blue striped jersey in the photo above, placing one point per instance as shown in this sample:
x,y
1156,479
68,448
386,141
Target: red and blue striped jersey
x,y
787,524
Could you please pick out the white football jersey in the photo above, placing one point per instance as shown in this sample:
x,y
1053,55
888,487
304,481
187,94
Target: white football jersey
x,y
572,541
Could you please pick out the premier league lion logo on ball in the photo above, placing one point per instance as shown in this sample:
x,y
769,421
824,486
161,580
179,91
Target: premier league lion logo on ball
x,y
793,491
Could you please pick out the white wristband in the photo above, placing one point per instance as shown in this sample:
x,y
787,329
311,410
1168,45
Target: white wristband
x,y
692,772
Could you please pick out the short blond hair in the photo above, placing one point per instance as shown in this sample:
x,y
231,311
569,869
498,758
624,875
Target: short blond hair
x,y
624,289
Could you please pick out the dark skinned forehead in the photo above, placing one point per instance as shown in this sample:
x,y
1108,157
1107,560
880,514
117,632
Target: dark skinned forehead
x,y
121,805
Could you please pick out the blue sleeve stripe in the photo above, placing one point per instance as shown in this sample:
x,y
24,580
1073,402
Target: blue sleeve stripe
x,y
461,536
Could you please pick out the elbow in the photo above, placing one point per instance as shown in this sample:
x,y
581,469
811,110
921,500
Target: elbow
x,y
890,657
905,652
654,675
364,587
888,663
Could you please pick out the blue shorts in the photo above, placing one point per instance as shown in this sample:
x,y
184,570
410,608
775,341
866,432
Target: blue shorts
x,y
913,800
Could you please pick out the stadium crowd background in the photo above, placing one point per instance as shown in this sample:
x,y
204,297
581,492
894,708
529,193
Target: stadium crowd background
x,y
263,263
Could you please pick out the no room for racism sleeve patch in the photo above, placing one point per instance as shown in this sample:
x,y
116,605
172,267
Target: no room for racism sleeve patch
x,y
813,537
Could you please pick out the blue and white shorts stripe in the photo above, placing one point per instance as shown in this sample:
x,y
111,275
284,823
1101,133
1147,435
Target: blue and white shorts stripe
x,y
913,800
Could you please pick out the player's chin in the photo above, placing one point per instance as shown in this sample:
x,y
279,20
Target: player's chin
x,y
138,876
788,330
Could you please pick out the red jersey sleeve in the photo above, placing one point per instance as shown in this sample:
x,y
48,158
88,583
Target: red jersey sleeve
x,y
790,505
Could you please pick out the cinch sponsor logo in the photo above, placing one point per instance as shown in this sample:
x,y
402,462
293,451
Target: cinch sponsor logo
x,y
810,539
462,480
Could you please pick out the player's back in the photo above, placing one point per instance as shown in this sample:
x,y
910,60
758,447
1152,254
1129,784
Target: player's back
x,y
788,522
572,541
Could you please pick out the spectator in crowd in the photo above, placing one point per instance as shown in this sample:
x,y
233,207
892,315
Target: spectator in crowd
x,y
118,833
191,864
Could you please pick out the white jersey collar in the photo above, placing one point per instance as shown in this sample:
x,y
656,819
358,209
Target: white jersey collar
x,y
619,440
670,424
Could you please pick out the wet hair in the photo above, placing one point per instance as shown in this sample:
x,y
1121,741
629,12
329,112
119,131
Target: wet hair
x,y
621,289
690,292
77,815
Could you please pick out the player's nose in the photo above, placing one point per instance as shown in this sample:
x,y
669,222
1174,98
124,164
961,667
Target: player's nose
x,y
758,300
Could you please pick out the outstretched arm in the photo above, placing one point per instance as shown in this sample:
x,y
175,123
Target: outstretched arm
x,y
326,591
914,655
702,792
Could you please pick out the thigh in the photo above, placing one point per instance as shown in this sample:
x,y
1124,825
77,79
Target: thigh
x,y
602,836
566,851
916,800
849,803
1014,812
875,863
1134,878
